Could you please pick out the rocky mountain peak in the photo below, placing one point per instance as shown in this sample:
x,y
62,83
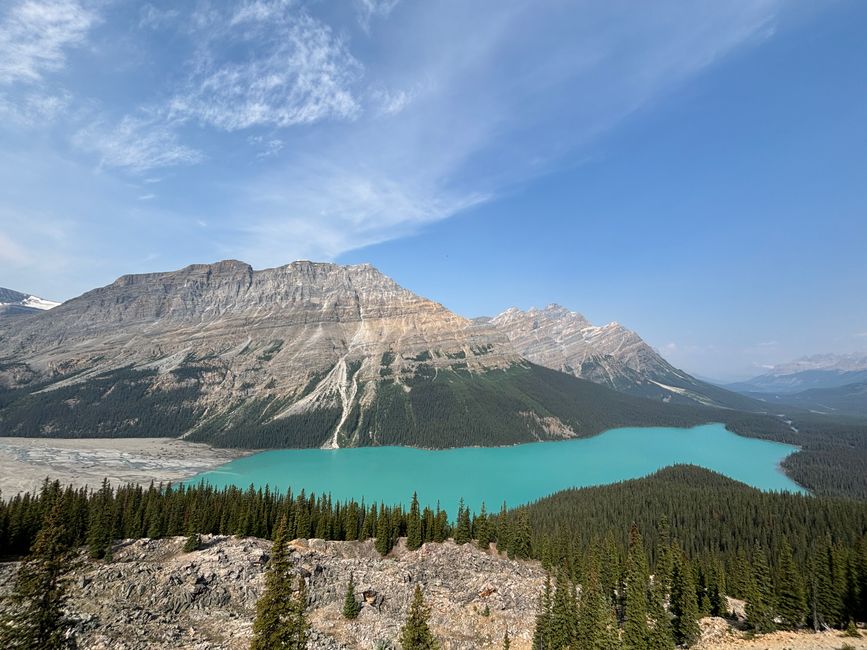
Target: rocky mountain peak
x,y
307,337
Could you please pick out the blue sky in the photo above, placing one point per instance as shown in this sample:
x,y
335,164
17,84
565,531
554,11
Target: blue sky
x,y
696,171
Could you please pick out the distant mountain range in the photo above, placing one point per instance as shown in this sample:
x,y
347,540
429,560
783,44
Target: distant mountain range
x,y
312,354
817,371
823,383
15,303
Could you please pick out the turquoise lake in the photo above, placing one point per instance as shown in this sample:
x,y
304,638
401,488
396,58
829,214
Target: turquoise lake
x,y
516,475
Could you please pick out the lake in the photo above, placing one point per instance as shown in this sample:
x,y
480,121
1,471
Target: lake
x,y
517,475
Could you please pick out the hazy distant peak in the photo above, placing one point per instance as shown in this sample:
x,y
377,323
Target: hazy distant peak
x,y
15,302
839,362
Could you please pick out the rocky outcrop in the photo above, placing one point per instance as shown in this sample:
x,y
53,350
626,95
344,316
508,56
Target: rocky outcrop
x,y
154,596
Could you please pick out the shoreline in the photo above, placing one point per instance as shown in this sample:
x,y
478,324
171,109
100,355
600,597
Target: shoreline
x,y
85,462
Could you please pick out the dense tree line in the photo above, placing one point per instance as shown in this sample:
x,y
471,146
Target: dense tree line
x,y
622,603
797,560
113,404
833,450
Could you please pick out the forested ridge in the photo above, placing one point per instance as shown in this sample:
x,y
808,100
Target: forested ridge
x,y
800,560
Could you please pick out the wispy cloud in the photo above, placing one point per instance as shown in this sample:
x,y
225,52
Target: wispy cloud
x,y
323,208
391,102
35,35
482,116
34,108
265,147
353,141
137,144
150,17
370,9
293,70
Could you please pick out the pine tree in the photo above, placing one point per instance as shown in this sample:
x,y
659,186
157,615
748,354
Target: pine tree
x,y
101,523
192,543
383,542
503,532
635,625
483,530
35,620
415,633
826,603
302,518
276,623
716,590
298,617
790,590
519,540
609,569
664,560
507,643
351,606
369,525
597,625
761,605
413,525
684,606
463,534
542,631
861,580
563,623
660,636
441,525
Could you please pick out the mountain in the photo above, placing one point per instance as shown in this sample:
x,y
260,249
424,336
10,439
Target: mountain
x,y
306,354
815,372
848,399
611,355
15,303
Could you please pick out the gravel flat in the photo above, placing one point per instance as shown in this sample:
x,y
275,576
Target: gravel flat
x,y
25,462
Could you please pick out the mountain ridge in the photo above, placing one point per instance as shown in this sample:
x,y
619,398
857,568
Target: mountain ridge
x,y
818,371
611,355
305,354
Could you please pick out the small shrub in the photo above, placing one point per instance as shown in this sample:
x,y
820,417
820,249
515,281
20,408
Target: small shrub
x,y
852,630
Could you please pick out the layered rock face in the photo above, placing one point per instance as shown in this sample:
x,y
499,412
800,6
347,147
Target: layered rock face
x,y
611,354
564,340
302,317
153,596
301,338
